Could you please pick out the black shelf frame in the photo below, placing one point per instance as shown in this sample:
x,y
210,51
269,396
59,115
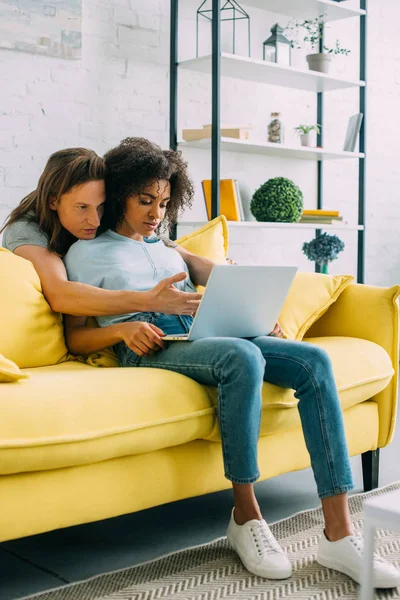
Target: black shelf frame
x,y
216,120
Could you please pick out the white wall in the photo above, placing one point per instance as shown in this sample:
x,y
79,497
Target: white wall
x,y
120,88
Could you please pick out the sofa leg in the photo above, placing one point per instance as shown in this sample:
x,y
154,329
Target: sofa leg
x,y
370,467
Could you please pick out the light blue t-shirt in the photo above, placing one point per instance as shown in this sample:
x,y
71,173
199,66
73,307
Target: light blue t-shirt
x,y
115,262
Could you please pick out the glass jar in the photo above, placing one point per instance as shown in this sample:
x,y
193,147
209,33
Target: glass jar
x,y
275,129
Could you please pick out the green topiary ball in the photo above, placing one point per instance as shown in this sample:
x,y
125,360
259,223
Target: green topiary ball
x,y
277,200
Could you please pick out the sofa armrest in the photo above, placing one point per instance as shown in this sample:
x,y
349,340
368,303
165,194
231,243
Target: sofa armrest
x,y
371,313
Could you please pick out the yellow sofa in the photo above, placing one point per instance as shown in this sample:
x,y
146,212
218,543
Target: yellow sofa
x,y
80,443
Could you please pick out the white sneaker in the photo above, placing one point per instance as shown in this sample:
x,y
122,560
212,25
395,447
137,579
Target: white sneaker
x,y
258,549
346,556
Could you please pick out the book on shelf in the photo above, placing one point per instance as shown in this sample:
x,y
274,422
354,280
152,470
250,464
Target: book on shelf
x,y
321,220
239,199
230,201
320,216
229,126
320,213
230,131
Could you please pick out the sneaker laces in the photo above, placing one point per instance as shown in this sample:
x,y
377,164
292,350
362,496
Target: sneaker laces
x,y
264,539
358,544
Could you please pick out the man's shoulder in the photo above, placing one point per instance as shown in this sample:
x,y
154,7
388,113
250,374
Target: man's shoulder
x,y
24,231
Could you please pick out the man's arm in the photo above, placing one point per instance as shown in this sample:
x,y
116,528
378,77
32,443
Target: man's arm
x,y
85,300
199,267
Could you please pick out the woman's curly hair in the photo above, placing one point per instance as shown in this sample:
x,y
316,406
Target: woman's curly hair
x,y
133,165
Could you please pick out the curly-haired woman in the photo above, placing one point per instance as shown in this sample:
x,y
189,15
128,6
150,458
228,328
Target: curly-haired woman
x,y
67,205
145,186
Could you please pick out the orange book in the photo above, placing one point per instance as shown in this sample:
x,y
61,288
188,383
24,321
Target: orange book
x,y
321,213
229,201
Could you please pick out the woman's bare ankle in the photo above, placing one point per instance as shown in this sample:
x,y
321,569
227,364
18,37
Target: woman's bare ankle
x,y
242,516
337,517
246,505
336,534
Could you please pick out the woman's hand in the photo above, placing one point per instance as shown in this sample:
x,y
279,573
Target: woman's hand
x,y
277,331
142,338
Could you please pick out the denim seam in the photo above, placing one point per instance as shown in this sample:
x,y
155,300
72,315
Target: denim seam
x,y
338,490
221,419
322,420
248,480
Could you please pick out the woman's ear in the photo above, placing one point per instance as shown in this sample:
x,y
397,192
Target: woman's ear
x,y
52,203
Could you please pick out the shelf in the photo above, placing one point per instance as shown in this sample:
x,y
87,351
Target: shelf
x,y
249,69
301,9
233,145
277,225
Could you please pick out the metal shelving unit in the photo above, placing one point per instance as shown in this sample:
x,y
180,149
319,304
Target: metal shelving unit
x,y
258,225
223,64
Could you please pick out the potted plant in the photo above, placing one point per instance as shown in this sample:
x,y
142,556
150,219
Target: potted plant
x,y
323,249
309,33
277,200
304,133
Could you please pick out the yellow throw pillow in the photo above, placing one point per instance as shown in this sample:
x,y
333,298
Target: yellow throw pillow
x,y
9,371
309,298
32,334
210,241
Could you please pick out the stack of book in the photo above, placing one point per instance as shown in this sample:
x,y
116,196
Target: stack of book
x,y
326,217
230,201
240,132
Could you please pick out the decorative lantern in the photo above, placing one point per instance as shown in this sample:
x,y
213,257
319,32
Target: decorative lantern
x,y
277,48
230,11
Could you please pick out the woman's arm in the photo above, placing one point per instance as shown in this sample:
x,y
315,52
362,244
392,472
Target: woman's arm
x,y
142,338
85,300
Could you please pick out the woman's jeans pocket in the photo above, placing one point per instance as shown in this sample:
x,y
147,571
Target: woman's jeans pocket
x,y
169,324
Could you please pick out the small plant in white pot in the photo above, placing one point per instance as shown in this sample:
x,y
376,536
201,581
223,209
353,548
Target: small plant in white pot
x,y
304,133
309,34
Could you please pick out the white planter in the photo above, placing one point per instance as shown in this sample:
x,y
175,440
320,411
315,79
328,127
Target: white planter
x,y
305,139
319,62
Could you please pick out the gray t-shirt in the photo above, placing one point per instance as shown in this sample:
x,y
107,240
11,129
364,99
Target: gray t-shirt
x,y
24,232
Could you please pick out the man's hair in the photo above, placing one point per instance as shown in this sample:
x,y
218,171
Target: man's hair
x,y
64,170
133,165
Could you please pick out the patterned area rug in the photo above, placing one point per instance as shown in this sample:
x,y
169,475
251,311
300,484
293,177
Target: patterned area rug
x,y
213,571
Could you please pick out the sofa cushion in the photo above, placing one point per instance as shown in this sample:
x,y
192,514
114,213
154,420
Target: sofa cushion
x,y
31,333
310,296
9,371
72,414
210,241
361,368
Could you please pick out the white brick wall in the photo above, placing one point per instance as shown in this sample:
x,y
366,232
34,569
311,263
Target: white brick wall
x,y
120,88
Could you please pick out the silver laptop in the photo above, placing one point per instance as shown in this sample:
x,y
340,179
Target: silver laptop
x,y
240,301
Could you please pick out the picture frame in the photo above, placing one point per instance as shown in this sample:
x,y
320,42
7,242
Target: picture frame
x,y
353,129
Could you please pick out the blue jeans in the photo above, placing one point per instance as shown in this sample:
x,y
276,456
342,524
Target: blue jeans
x,y
238,367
